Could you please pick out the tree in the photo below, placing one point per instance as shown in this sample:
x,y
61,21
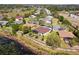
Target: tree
x,y
74,41
26,20
53,40
17,14
20,27
26,29
61,18
10,21
27,15
15,27
64,21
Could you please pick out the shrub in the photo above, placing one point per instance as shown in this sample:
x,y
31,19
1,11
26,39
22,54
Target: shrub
x,y
53,40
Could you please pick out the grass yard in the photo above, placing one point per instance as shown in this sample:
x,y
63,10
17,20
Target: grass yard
x,y
55,21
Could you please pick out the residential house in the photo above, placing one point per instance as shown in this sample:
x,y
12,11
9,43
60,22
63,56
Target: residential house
x,y
65,35
37,11
75,20
58,28
19,18
18,22
75,24
47,19
3,23
42,30
49,16
74,17
31,25
47,11
34,21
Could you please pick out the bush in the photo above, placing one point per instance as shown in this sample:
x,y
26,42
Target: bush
x,y
53,40
66,22
74,41
36,36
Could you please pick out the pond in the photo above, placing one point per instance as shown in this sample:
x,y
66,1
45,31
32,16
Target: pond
x,y
10,47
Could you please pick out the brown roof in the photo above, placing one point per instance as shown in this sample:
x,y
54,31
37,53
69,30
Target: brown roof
x,y
19,17
29,25
42,29
65,33
33,26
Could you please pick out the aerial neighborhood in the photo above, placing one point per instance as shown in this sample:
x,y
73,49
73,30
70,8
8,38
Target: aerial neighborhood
x,y
49,28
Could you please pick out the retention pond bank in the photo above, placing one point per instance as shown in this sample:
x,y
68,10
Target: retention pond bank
x,y
11,47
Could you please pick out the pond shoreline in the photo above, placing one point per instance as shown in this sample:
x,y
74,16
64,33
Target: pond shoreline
x,y
13,38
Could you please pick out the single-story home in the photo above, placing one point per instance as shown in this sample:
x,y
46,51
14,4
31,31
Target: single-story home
x,y
29,25
66,35
34,22
47,11
3,22
37,11
19,18
18,22
75,17
47,19
42,30
57,28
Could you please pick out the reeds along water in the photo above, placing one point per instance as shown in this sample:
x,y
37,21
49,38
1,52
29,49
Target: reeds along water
x,y
18,49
